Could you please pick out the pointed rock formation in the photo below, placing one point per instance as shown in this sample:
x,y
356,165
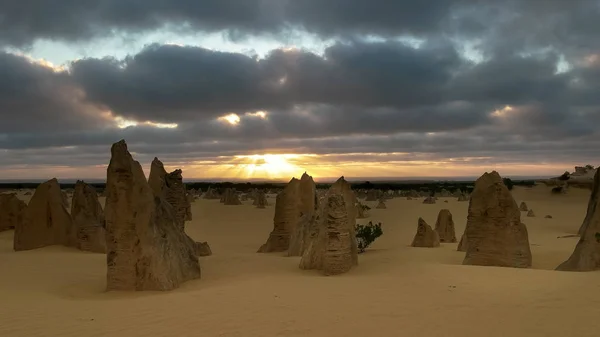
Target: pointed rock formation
x,y
592,204
496,236
88,219
230,197
429,200
372,195
146,248
46,221
530,214
287,213
331,250
586,256
444,226
211,194
426,236
345,189
463,197
523,207
261,199
12,211
381,205
305,227
362,211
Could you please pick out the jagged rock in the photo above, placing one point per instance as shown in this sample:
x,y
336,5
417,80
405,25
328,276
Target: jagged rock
x,y
429,200
12,211
343,187
331,250
444,226
147,250
305,225
381,205
190,198
230,197
530,213
261,200
592,205
463,197
287,213
202,248
88,219
170,187
548,216
46,222
586,256
523,207
211,194
425,236
496,236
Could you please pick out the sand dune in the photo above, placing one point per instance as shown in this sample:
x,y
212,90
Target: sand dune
x,y
396,290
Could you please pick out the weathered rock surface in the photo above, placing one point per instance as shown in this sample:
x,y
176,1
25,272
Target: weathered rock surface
x,y
530,213
260,201
523,207
381,205
12,211
463,197
331,251
425,236
462,245
287,213
344,188
305,227
444,226
46,222
146,249
361,211
496,236
230,197
88,219
429,200
586,256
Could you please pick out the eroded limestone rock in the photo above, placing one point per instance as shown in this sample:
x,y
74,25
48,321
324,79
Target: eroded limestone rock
x,y
46,221
88,219
496,236
586,256
444,226
12,211
425,236
146,249
287,213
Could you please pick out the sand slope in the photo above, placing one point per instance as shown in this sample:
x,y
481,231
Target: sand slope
x,y
395,291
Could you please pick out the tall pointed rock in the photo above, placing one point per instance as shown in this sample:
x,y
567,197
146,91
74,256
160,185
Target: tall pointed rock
x,y
496,236
586,256
88,219
146,250
287,214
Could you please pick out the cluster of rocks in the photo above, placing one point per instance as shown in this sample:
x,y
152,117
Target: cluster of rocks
x,y
318,226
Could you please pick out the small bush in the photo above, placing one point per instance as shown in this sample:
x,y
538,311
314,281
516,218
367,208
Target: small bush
x,y
508,183
367,234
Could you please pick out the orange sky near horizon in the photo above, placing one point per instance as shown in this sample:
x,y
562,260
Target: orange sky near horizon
x,y
285,166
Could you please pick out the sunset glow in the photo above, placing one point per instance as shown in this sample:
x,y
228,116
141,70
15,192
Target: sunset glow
x,y
232,119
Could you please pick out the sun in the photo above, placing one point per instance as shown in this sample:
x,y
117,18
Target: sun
x,y
271,166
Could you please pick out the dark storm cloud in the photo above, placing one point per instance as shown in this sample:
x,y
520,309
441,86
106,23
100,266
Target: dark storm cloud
x,y
34,97
181,83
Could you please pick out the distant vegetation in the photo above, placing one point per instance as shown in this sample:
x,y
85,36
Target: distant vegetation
x,y
427,186
508,183
367,234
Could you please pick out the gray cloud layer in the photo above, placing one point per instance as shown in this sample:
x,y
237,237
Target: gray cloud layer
x,y
358,97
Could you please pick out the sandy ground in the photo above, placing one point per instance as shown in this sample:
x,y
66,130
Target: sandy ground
x,y
395,291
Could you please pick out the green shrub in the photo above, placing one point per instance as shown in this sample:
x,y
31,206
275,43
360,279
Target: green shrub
x,y
367,234
508,183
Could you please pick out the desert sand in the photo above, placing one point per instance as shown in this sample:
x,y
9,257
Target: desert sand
x,y
396,290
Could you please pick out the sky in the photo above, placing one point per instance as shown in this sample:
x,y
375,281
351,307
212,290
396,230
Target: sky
x,y
268,89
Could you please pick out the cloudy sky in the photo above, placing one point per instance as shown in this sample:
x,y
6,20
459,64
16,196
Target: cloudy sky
x,y
270,88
